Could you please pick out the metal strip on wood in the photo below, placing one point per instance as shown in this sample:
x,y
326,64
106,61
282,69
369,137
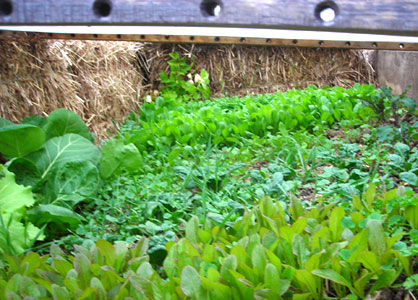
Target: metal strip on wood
x,y
379,16
220,40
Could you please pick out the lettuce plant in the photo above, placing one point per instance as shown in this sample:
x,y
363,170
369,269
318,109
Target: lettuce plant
x,y
273,252
16,233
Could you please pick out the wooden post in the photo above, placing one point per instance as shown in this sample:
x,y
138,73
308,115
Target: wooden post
x,y
398,69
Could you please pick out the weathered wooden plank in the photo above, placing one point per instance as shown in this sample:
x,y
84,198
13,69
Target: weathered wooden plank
x,y
379,16
156,38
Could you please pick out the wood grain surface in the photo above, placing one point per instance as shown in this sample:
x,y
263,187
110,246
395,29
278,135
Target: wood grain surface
x,y
155,38
367,16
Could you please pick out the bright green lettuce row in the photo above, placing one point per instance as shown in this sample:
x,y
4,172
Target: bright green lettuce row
x,y
273,252
301,254
16,234
229,120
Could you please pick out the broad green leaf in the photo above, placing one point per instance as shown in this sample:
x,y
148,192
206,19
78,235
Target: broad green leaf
x,y
60,293
274,260
108,251
191,283
26,172
272,278
376,237
62,266
140,248
72,182
100,293
218,290
312,283
83,267
15,236
63,121
411,215
17,140
333,276
60,150
13,197
299,225
35,120
121,251
296,208
258,259
335,226
314,261
384,280
46,213
409,177
357,203
116,156
370,194
300,250
29,288
5,122
192,230
305,296
229,263
369,261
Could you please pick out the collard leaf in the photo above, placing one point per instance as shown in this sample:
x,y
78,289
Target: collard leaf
x,y
5,122
116,155
46,213
63,121
17,140
73,182
409,177
60,150
26,172
39,121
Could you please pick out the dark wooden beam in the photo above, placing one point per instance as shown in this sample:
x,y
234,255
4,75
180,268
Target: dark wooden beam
x,y
378,16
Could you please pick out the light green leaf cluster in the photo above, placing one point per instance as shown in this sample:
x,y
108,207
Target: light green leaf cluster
x,y
16,234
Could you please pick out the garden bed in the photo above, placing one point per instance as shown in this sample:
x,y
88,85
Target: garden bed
x,y
308,194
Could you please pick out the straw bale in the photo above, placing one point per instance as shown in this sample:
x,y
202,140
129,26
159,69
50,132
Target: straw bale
x,y
97,80
238,69
103,81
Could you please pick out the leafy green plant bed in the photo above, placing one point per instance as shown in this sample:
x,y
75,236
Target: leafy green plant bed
x,y
308,194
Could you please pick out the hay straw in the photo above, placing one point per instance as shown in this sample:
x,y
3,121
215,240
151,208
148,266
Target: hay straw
x,y
237,69
103,81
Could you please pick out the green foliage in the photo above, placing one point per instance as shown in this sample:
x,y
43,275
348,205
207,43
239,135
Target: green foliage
x,y
63,121
56,158
17,140
116,157
181,84
101,271
16,234
233,120
263,256
337,228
